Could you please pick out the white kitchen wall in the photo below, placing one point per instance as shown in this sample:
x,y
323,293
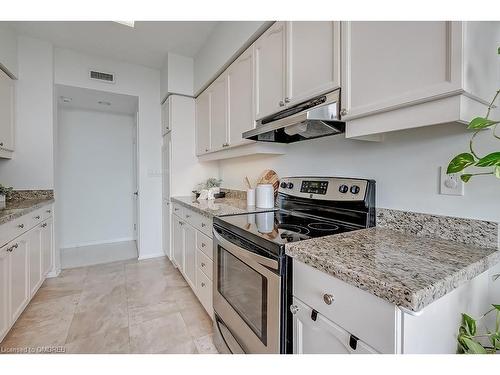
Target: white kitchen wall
x,y
32,165
224,42
405,166
95,190
72,69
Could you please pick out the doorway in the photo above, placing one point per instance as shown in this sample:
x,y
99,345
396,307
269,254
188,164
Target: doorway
x,y
96,184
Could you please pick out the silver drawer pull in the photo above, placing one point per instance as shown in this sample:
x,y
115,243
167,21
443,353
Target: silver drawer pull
x,y
203,244
176,209
203,225
328,298
44,225
21,226
294,309
48,211
10,249
202,264
188,216
202,284
37,217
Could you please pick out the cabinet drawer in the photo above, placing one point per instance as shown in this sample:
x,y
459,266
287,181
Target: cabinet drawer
x,y
204,244
370,318
204,291
204,263
205,225
14,228
178,209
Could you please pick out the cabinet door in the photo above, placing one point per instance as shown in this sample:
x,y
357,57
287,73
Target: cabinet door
x,y
34,238
165,159
203,123
166,116
386,65
6,112
178,242
313,59
240,98
218,113
4,293
320,335
47,247
190,255
270,71
18,276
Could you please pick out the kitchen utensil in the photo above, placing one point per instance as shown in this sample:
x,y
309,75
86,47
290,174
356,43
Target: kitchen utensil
x,y
250,197
248,182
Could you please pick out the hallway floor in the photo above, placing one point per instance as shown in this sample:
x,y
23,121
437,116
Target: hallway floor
x,y
122,307
98,254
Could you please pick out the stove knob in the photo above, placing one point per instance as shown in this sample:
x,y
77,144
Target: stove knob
x,y
283,185
343,189
290,185
355,189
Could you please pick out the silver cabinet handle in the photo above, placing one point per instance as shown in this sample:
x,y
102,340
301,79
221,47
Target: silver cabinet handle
x,y
203,225
202,284
181,223
294,309
328,298
202,264
21,226
176,209
44,225
37,217
206,150
188,216
48,211
203,244
10,249
343,112
1,144
281,103
287,100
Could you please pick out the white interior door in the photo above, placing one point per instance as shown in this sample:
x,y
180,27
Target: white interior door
x,y
135,177
166,227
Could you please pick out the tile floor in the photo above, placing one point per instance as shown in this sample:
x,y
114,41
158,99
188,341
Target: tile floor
x,y
122,307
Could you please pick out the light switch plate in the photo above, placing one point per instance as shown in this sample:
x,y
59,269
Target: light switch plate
x,y
451,184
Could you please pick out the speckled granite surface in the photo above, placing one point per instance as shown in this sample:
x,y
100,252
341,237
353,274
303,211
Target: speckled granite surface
x,y
17,208
405,270
218,207
22,195
467,231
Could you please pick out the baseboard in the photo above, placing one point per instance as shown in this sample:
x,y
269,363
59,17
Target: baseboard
x,y
53,273
91,243
150,256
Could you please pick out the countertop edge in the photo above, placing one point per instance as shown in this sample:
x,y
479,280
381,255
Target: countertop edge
x,y
194,208
25,211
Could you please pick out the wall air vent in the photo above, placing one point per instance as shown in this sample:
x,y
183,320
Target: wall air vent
x,y
102,76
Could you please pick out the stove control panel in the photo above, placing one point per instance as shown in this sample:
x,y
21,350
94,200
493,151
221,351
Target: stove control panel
x,y
325,188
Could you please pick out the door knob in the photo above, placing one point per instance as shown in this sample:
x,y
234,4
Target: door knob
x,y
343,112
136,193
328,298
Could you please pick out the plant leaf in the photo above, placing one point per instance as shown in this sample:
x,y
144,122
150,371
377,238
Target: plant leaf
x,y
481,123
466,177
473,347
497,171
496,307
460,162
490,160
469,323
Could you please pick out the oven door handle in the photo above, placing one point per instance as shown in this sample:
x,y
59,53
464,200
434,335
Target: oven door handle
x,y
245,254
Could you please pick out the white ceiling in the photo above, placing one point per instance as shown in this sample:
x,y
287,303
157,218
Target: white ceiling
x,y
146,44
89,99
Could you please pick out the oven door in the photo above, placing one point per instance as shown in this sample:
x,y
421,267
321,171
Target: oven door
x,y
246,294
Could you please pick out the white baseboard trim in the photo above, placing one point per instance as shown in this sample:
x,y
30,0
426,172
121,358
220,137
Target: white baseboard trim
x,y
91,243
150,256
53,273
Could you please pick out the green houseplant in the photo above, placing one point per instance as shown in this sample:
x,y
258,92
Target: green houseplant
x,y
4,191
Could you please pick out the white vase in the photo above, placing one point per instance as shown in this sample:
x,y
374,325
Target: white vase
x,y
2,201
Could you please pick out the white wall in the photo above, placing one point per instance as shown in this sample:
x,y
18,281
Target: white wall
x,y
224,42
31,166
96,185
405,166
71,68
8,50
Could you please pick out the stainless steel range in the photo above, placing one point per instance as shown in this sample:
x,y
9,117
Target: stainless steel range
x,y
252,282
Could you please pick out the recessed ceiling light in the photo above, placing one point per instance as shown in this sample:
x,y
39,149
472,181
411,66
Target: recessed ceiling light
x,y
65,99
101,102
126,23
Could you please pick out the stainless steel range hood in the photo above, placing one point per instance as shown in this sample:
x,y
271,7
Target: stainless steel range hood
x,y
318,117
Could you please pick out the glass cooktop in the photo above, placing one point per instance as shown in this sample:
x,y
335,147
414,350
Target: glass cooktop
x,y
283,227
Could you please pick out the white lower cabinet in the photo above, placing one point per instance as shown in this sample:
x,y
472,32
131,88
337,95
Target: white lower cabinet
x,y
192,253
25,262
315,334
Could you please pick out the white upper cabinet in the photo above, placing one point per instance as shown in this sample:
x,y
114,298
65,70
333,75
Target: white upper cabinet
x,y
166,116
218,113
7,118
203,123
270,71
313,59
240,98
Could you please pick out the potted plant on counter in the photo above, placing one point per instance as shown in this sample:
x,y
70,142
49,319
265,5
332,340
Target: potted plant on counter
x,y
3,195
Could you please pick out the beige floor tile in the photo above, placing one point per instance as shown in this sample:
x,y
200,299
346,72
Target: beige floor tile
x,y
112,341
141,314
205,345
197,322
163,335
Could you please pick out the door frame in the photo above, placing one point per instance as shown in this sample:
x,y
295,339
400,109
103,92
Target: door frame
x,y
166,201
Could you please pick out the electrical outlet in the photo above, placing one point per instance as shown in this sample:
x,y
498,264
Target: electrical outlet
x,y
451,184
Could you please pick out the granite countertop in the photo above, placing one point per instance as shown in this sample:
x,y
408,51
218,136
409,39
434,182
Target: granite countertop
x,y
17,208
218,207
404,269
